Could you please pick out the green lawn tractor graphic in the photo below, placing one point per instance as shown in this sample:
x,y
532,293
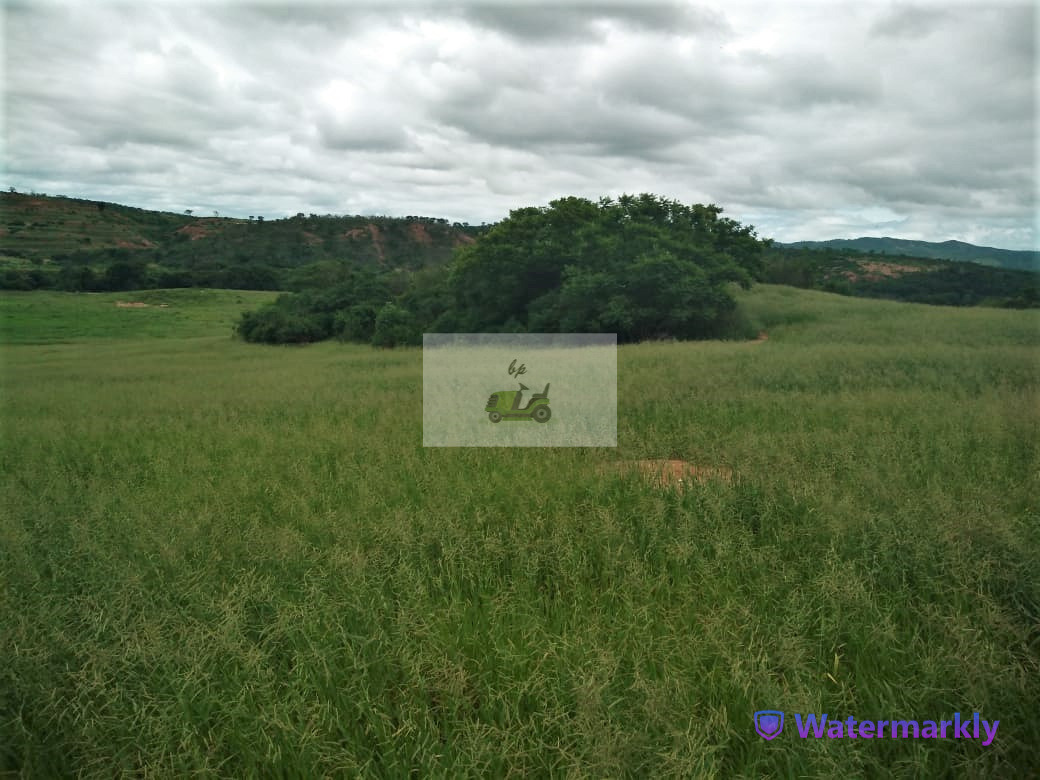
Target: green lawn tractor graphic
x,y
505,405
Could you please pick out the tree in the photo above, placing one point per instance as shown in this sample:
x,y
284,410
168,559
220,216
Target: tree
x,y
358,323
76,278
521,259
188,211
394,326
275,324
123,275
250,277
641,266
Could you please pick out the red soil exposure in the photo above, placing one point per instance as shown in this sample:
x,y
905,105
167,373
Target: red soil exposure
x,y
310,238
377,239
889,269
463,238
140,243
194,231
418,232
875,271
676,474
374,233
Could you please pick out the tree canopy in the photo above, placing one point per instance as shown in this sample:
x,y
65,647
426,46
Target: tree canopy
x,y
640,266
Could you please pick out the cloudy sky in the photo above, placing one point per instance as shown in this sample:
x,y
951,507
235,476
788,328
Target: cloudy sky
x,y
811,121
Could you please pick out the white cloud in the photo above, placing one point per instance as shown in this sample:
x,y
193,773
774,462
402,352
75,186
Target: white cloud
x,y
810,121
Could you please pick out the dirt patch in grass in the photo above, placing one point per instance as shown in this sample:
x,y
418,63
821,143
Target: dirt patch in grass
x,y
677,474
138,305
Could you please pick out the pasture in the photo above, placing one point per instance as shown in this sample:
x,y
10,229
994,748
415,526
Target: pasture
x,y
223,559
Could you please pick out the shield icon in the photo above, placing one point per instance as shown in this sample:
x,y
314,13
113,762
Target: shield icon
x,y
769,723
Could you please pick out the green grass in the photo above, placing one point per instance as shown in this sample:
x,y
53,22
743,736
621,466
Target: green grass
x,y
223,559
58,317
10,263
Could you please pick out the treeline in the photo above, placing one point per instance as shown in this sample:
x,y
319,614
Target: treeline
x,y
134,274
959,284
639,266
360,308
901,278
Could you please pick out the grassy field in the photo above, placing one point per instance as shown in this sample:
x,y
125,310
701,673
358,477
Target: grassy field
x,y
64,318
222,559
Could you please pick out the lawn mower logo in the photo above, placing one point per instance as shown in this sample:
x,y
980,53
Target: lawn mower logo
x,y
506,405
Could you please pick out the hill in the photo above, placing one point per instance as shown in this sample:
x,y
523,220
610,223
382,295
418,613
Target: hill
x,y
74,244
943,250
901,277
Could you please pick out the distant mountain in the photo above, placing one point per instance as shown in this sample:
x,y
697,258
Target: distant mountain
x,y
1023,260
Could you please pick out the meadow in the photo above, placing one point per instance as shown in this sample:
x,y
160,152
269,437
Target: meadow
x,y
225,559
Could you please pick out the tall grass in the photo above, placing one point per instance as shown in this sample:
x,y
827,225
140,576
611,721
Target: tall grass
x,y
58,317
227,560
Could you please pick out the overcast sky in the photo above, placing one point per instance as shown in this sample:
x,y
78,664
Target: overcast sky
x,y
811,121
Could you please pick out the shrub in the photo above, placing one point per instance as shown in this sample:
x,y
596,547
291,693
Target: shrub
x,y
358,323
283,322
394,326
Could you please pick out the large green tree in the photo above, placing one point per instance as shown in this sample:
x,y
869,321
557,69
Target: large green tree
x,y
640,266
